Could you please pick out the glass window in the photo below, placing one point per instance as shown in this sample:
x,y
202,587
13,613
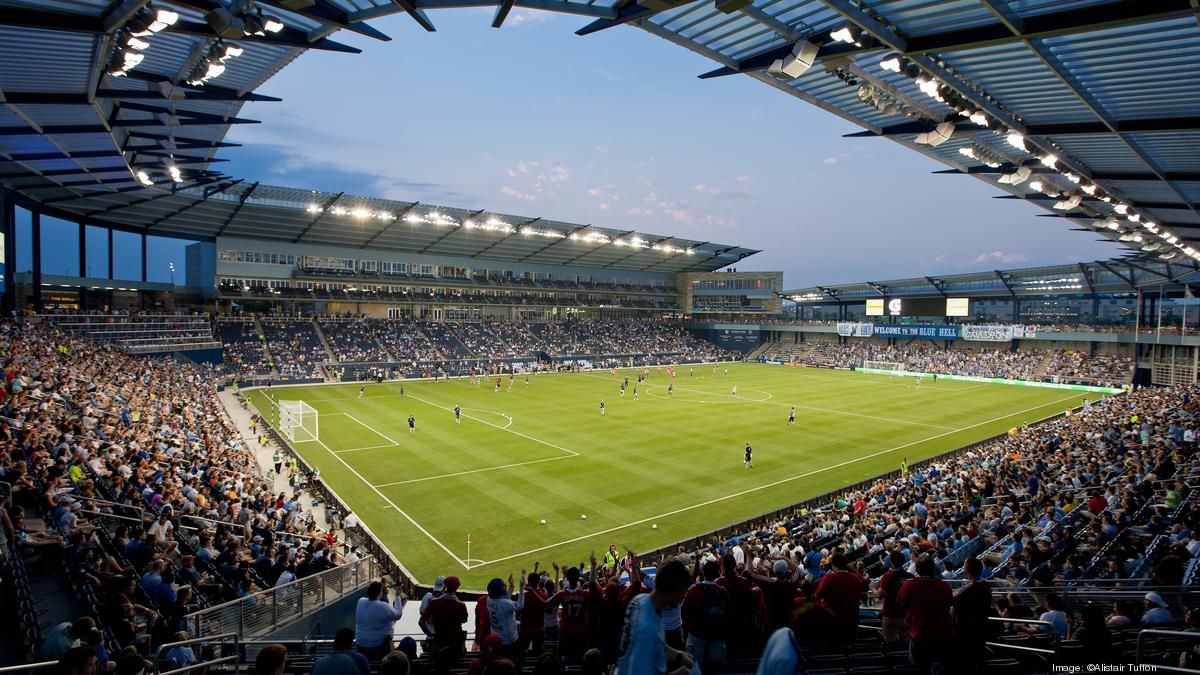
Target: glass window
x,y
60,247
96,244
24,232
127,256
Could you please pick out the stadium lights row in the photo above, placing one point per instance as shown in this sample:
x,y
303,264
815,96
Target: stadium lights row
x,y
170,170
130,40
1070,200
213,65
496,225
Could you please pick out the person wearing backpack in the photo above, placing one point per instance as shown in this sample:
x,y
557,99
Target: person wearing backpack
x,y
708,617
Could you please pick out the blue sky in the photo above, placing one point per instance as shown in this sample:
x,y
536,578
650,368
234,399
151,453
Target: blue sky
x,y
615,129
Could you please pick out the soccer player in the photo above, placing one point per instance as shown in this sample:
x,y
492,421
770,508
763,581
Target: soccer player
x,y
670,389
625,383
457,415
735,390
361,390
792,416
526,379
749,463
691,372
726,372
602,406
635,392
401,391
412,424
622,390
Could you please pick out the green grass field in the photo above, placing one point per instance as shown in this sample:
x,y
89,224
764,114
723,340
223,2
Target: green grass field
x,y
543,451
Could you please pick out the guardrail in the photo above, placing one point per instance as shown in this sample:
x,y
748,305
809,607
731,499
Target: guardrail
x,y
268,610
231,656
30,667
1141,643
1055,638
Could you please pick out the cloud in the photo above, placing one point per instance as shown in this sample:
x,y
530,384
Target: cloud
x,y
517,194
720,193
939,259
997,256
605,207
559,173
743,179
523,17
681,216
595,192
701,187
835,159
640,211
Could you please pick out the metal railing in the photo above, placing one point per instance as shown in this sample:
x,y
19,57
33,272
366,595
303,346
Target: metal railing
x,y
1054,638
30,667
232,655
268,610
1141,643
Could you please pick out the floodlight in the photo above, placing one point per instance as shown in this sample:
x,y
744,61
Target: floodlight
x,y
1017,141
1069,203
802,57
1019,176
1049,160
892,63
846,33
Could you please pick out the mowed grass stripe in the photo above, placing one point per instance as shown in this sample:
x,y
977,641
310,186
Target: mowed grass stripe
x,y
652,456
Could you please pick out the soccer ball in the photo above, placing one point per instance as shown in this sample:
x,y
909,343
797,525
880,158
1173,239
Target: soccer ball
x,y
583,517
654,526
543,521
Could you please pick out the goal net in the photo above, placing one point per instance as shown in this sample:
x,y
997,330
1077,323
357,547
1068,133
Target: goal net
x,y
298,421
884,365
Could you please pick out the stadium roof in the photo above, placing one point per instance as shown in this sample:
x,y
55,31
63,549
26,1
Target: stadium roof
x,y
1102,276
1087,108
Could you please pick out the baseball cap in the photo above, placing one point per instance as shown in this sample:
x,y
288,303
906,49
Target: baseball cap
x,y
439,584
1156,599
781,567
452,584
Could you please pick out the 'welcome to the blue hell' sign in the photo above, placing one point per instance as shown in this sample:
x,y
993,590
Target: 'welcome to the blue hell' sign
x,y
891,330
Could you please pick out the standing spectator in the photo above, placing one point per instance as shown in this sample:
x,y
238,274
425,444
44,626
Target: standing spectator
x,y
779,594
532,608
895,619
841,590
643,640
502,612
375,619
446,615
344,659
271,660
972,607
707,617
741,593
927,600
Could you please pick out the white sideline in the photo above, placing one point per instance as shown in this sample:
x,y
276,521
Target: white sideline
x,y
771,485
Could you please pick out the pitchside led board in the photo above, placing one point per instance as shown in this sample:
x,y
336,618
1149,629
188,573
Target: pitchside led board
x,y
918,307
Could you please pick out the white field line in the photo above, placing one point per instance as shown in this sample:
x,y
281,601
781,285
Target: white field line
x,y
497,426
805,407
393,505
369,447
373,429
771,485
464,473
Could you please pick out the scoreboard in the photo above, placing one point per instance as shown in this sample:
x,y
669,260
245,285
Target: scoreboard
x,y
918,307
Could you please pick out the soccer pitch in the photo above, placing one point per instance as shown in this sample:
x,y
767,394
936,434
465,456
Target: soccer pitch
x,y
543,451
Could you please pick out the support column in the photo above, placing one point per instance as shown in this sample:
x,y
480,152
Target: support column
x,y
83,270
143,257
111,275
8,225
36,231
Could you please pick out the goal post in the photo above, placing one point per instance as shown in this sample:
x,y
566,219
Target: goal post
x,y
299,421
884,365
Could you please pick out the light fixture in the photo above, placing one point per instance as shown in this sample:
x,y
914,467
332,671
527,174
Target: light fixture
x,y
979,118
892,63
1049,160
272,25
231,51
1074,178
175,173
1036,186
1069,203
1121,209
968,151
1017,177
137,43
802,57
1017,141
1134,217
144,178
152,21
1090,189
847,33
940,134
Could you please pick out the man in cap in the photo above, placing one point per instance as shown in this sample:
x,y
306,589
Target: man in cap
x,y
1156,613
446,615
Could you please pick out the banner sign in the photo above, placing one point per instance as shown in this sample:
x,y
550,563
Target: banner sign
x,y
997,380
846,329
891,330
1024,332
987,333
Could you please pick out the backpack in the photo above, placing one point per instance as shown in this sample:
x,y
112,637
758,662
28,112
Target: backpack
x,y
717,612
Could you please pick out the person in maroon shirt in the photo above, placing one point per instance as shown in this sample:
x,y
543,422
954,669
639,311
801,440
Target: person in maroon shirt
x,y
707,613
531,606
1096,504
447,614
841,592
573,620
972,609
895,620
779,594
927,600
742,593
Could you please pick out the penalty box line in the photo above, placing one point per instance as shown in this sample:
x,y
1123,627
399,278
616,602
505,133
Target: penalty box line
x,y
392,504
769,485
